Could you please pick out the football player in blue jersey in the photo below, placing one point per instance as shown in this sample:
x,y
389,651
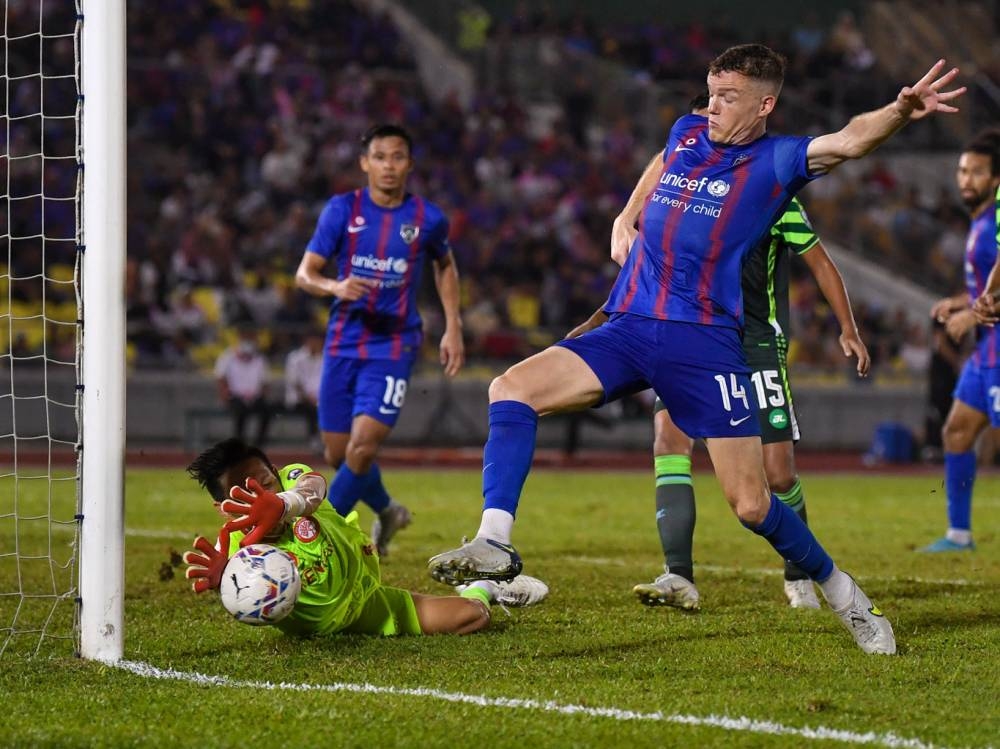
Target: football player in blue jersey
x,y
765,282
376,240
977,394
676,314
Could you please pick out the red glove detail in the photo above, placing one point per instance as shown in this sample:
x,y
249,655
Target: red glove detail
x,y
260,509
207,567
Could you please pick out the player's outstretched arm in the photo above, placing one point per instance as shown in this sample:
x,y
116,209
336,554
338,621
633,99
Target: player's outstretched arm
x,y
864,133
452,344
831,283
623,229
257,510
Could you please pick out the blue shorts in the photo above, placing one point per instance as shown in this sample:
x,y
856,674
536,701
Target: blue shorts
x,y
351,387
700,372
979,388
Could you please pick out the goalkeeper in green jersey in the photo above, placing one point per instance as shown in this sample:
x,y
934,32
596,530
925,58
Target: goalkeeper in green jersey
x,y
342,590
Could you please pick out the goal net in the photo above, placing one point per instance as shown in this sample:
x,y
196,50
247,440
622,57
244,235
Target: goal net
x,y
43,348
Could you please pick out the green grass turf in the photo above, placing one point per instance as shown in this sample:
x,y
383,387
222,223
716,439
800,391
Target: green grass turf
x,y
591,536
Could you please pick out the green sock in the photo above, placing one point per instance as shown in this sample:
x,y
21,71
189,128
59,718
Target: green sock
x,y
797,502
478,593
675,513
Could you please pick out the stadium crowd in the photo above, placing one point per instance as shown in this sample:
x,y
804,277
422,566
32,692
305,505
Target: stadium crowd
x,y
244,119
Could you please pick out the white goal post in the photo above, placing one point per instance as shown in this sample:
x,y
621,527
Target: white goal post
x,y
103,362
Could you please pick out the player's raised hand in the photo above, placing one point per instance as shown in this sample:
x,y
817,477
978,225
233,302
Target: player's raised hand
x,y
852,345
927,96
452,351
207,563
352,288
622,236
259,509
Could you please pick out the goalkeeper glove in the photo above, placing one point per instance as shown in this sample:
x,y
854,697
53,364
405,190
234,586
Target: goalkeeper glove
x,y
260,510
207,567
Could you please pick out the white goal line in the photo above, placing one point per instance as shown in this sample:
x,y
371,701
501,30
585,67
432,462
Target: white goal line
x,y
740,724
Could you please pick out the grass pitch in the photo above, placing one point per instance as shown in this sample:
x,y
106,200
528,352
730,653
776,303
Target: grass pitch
x,y
589,667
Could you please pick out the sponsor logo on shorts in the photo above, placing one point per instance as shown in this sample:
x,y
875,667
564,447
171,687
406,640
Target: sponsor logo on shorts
x,y
778,418
737,422
306,530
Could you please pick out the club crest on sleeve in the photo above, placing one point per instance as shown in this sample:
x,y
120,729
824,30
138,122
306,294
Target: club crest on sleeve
x,y
305,529
409,232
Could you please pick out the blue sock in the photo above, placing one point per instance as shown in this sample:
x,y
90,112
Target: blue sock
x,y
791,538
346,489
375,495
959,476
507,455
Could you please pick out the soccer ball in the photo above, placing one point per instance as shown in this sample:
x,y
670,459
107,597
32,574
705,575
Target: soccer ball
x,y
260,584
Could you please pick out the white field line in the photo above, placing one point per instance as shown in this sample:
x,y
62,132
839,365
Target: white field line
x,y
136,532
770,572
741,724
152,533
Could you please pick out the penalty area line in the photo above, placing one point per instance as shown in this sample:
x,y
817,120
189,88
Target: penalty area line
x,y
726,723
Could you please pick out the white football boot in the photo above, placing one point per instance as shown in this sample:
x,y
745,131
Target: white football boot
x,y
478,559
801,594
669,590
870,628
523,590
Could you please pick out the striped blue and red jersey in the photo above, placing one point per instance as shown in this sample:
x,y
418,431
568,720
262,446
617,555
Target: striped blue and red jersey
x,y
388,245
713,204
980,255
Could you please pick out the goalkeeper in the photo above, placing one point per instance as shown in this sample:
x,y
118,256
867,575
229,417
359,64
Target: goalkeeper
x,y
342,589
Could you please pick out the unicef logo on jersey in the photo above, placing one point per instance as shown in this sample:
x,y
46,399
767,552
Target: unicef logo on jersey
x,y
381,264
718,188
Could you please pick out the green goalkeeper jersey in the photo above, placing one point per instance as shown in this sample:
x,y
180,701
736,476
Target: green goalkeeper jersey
x,y
766,276
337,562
